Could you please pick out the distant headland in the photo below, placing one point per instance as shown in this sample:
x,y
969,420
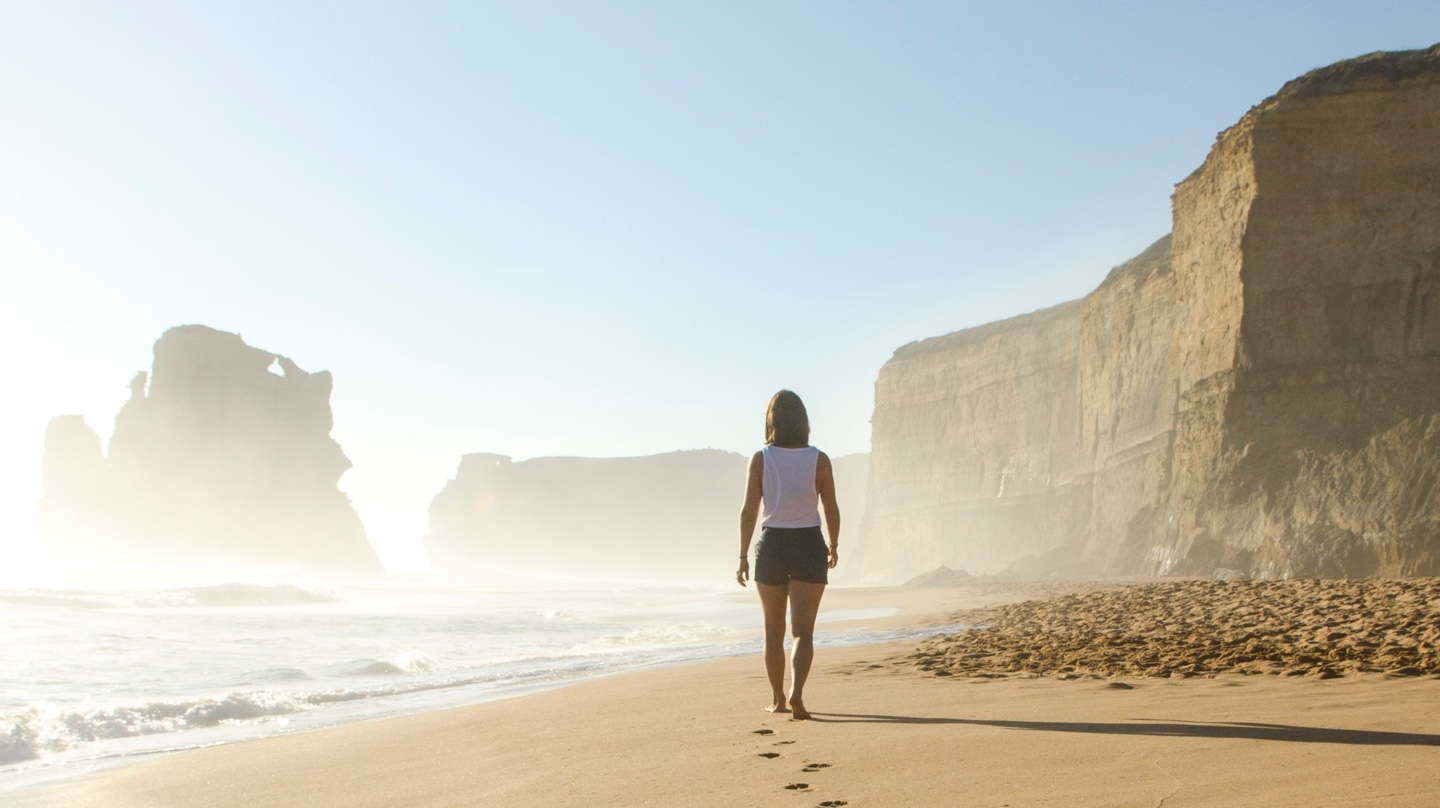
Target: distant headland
x,y
671,516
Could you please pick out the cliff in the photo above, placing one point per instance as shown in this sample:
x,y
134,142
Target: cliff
x,y
215,456
1254,393
973,447
671,516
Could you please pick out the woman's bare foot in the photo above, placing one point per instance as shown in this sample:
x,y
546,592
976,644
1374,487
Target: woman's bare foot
x,y
777,706
798,708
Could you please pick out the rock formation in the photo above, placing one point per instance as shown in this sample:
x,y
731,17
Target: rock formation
x,y
79,491
1258,391
670,517
215,456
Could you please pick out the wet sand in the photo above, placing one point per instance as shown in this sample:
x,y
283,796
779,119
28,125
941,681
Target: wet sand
x,y
888,732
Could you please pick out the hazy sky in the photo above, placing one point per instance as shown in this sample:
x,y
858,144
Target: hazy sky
x,y
584,228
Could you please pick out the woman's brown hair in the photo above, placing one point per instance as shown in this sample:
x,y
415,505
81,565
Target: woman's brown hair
x,y
786,423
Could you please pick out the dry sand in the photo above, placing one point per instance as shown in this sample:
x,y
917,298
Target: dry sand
x,y
887,733
1313,628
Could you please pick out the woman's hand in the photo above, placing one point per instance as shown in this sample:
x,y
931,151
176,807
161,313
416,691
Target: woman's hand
x,y
743,574
834,556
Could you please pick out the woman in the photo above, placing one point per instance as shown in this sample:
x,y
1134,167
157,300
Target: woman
x,y
786,480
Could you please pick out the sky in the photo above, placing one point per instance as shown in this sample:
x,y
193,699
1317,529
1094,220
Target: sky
x,y
581,228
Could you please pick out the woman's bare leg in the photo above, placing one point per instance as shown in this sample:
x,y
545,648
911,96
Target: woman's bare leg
x,y
804,605
772,601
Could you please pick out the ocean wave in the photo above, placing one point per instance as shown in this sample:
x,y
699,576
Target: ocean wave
x,y
46,729
59,599
224,596
230,596
282,674
652,637
402,663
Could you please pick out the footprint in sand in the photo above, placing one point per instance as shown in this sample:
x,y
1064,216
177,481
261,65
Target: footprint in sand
x,y
834,803
783,743
769,754
764,732
815,767
798,787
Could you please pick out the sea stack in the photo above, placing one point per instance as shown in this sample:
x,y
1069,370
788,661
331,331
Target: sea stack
x,y
1257,394
223,452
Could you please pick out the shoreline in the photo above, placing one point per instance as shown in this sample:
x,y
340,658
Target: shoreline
x,y
886,732
872,610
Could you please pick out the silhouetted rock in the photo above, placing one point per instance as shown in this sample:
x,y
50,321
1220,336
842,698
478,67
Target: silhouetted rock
x,y
672,516
217,458
79,495
1258,392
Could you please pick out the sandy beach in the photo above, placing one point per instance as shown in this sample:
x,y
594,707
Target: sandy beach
x,y
890,729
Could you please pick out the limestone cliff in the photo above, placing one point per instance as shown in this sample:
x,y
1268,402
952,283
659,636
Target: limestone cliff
x,y
215,456
671,516
973,447
1256,392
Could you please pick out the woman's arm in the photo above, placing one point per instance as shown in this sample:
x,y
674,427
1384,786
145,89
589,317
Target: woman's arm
x,y
825,487
750,513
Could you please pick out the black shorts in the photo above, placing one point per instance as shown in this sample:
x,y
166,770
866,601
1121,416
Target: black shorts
x,y
791,553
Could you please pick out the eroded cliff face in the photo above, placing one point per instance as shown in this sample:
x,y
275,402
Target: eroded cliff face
x,y
223,452
974,447
1254,393
1339,341
665,517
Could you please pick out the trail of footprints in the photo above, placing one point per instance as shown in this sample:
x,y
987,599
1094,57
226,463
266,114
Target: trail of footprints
x,y
810,768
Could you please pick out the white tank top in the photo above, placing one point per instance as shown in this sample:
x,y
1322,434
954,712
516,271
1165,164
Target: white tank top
x,y
788,495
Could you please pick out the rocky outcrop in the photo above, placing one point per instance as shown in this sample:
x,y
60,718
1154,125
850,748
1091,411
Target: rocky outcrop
x,y
1255,392
669,517
222,452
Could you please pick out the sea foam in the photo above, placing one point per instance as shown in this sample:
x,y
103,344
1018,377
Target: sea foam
x,y
94,675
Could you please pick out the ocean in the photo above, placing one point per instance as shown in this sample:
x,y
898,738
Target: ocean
x,y
96,677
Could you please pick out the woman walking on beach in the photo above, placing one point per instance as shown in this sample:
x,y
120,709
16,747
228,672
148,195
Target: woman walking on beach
x,y
787,480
